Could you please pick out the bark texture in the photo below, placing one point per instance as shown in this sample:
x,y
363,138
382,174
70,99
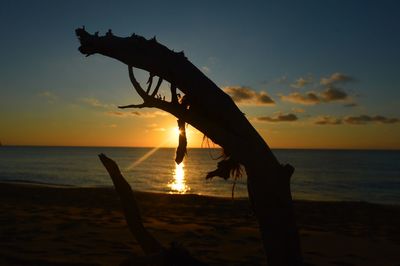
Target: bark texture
x,y
206,107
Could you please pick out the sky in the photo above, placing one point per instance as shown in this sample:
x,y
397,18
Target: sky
x,y
307,74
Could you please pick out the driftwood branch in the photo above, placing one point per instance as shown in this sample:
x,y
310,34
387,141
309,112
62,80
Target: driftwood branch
x,y
149,244
214,113
209,101
149,83
156,253
160,80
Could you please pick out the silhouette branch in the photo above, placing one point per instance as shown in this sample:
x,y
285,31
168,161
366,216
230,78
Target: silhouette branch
x,y
149,83
132,214
210,110
160,80
156,253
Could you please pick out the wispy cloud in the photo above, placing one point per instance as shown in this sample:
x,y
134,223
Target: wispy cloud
x,y
333,94
335,78
301,82
355,120
328,120
364,119
152,114
329,90
93,102
312,97
111,126
50,96
278,118
298,110
281,80
350,105
155,127
122,114
125,114
206,69
308,98
247,96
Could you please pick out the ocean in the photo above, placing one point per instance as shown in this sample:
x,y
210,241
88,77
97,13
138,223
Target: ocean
x,y
334,175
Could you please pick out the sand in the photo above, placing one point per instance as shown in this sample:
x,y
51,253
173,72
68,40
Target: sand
x,y
49,225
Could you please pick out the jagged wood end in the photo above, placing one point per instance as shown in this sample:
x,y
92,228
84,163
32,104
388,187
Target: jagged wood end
x,y
216,113
148,243
138,48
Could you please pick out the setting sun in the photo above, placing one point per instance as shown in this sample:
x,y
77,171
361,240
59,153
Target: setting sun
x,y
175,131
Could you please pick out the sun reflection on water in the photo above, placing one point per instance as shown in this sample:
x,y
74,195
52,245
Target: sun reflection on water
x,y
178,184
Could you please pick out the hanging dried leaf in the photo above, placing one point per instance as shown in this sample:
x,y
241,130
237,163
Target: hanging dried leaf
x,y
181,150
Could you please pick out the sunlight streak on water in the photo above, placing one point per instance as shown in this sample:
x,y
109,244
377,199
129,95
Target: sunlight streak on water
x,y
178,184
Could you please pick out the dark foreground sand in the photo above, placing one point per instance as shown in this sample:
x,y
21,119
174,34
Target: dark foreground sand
x,y
42,225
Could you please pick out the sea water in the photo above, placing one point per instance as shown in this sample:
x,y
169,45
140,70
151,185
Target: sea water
x,y
338,175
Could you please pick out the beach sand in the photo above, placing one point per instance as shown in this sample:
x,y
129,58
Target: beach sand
x,y
48,225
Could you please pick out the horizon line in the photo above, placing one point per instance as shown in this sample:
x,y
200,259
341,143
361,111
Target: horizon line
x,y
217,147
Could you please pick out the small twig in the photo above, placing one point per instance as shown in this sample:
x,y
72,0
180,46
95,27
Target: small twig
x,y
136,84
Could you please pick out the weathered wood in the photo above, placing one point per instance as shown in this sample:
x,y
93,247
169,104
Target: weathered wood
x,y
149,244
206,99
156,253
213,112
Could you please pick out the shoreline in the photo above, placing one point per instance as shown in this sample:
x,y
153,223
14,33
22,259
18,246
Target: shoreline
x,y
53,185
54,225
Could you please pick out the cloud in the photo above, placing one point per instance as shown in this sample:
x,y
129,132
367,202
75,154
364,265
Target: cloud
x,y
246,95
336,78
124,114
364,119
333,94
298,110
309,98
155,127
152,114
301,83
93,102
328,120
330,91
282,80
206,69
50,96
115,113
355,120
350,105
278,118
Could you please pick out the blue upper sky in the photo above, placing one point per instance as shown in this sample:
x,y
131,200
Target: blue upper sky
x,y
281,48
